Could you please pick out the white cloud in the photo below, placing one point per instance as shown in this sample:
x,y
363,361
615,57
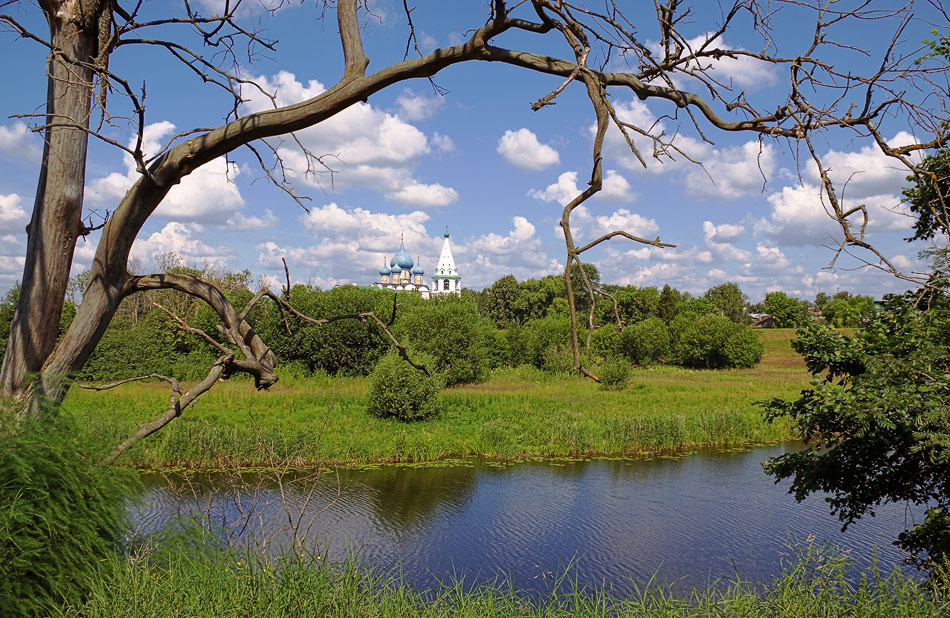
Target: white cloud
x,y
426,196
864,172
726,232
741,73
799,216
615,189
443,142
182,239
366,147
12,215
522,149
207,195
492,256
588,227
238,221
413,106
732,172
19,141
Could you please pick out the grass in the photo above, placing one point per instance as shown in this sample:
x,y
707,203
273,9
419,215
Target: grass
x,y
191,579
517,413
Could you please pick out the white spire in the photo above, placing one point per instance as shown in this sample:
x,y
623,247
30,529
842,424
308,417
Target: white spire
x,y
446,276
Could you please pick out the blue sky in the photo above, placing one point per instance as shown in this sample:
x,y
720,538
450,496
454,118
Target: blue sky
x,y
478,161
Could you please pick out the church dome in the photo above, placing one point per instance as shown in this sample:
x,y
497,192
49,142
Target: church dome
x,y
385,269
418,270
402,259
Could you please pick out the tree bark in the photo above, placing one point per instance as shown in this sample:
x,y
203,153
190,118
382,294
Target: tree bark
x,y
56,221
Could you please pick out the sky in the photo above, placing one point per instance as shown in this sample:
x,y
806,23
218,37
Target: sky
x,y
473,158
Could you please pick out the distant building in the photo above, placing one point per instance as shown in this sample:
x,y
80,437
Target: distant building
x,y
403,274
446,279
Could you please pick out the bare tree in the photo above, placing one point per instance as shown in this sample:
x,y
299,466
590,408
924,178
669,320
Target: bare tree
x,y
605,51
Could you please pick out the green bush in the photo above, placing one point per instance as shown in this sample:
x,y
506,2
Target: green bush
x,y
713,342
646,342
543,334
606,341
615,373
61,515
399,390
453,333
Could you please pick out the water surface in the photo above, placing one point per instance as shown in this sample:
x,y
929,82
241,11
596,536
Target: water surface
x,y
688,519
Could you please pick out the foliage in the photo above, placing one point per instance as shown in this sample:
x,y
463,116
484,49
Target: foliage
x,y
787,311
606,341
60,514
543,335
847,311
7,307
452,332
614,373
637,304
876,421
646,342
730,301
399,390
713,342
929,196
668,302
501,300
696,307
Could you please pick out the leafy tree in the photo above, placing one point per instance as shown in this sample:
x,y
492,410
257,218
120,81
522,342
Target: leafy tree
x,y
713,342
637,304
452,332
668,302
696,307
501,300
851,311
875,422
730,301
821,299
787,311
646,342
929,196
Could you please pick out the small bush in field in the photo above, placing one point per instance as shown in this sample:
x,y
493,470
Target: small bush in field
x,y
615,373
399,390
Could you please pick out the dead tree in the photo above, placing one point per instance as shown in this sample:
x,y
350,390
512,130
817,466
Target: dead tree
x,y
604,52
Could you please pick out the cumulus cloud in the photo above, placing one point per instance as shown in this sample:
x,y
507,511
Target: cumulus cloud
x,y
207,195
184,240
369,147
12,214
492,256
588,226
239,221
741,73
799,216
17,140
615,188
413,106
727,172
864,172
443,142
522,149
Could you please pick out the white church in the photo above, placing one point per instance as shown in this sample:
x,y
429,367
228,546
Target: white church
x,y
404,274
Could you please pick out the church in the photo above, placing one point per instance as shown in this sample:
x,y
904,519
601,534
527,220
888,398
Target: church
x,y
406,275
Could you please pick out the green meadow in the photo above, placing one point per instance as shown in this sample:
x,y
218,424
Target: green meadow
x,y
516,413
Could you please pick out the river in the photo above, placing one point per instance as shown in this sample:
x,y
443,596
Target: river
x,y
687,519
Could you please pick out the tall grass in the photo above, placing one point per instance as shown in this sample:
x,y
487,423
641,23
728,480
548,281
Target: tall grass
x,y
518,413
200,580
60,513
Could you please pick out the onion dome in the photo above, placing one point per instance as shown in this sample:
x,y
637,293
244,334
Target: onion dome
x,y
385,269
402,259
418,269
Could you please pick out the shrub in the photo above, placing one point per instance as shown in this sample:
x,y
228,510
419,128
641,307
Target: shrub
x,y
543,334
615,373
61,515
606,341
646,342
453,333
399,390
714,342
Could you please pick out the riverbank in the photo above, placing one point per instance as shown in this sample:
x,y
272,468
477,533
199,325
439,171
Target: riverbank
x,y
189,582
517,413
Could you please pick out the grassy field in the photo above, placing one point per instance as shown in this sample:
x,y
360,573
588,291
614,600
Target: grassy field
x,y
519,413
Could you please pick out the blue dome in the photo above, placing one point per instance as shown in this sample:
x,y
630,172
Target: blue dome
x,y
402,259
385,270
418,270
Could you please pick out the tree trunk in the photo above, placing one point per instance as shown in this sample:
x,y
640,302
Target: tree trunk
x,y
56,221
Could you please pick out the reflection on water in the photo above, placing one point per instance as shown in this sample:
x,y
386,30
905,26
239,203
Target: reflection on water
x,y
688,519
